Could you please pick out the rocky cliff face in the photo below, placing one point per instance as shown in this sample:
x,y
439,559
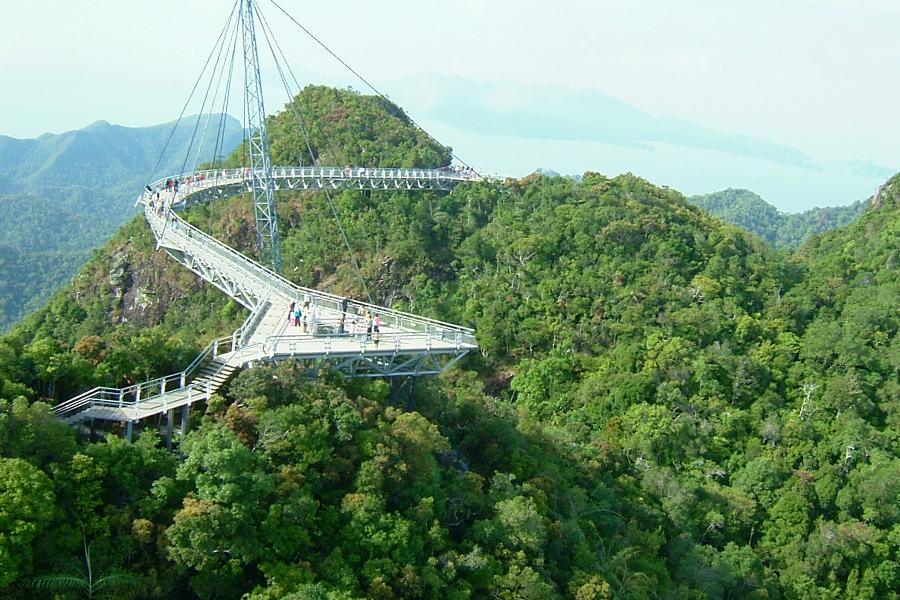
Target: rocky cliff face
x,y
129,281
143,286
887,195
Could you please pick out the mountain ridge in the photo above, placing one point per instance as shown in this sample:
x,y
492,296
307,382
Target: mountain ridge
x,y
748,210
69,192
30,161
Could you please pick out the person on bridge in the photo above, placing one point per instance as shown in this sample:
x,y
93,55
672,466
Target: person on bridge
x,y
297,314
291,307
376,323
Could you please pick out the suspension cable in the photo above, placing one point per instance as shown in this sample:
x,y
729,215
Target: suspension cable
x,y
223,114
209,115
306,137
335,150
363,79
220,44
187,102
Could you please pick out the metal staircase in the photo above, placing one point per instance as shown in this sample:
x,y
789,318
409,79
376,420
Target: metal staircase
x,y
214,375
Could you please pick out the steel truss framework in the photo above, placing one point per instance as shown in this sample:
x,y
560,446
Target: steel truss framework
x,y
261,184
395,364
244,294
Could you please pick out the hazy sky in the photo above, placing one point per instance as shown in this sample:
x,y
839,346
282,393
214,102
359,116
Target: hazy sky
x,y
820,76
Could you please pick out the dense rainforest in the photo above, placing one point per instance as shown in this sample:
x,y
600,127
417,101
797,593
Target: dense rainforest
x,y
788,231
663,405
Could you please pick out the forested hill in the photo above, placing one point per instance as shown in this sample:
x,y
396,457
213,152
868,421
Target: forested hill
x,y
664,407
63,195
783,230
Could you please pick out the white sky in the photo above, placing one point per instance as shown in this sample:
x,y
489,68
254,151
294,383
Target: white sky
x,y
822,76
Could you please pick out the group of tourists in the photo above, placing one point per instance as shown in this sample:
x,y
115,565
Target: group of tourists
x,y
160,199
297,316
352,323
465,171
360,171
172,185
154,198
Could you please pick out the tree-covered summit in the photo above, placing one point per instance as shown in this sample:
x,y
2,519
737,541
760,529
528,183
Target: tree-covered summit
x,y
344,127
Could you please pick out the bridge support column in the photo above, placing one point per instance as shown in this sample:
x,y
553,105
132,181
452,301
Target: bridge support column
x,y
185,415
170,422
403,389
129,429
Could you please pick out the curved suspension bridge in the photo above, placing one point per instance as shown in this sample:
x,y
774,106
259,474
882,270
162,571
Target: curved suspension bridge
x,y
405,345
354,338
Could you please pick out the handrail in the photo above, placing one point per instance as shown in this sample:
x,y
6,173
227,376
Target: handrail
x,y
252,322
195,364
123,396
198,181
365,342
207,178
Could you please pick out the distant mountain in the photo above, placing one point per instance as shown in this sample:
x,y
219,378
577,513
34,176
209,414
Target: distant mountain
x,y
539,111
61,195
783,230
509,127
108,160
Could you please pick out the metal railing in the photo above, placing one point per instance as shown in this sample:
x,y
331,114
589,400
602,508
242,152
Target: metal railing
x,y
198,181
142,393
212,177
134,409
359,343
252,322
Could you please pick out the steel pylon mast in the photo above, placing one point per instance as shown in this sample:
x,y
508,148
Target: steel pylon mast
x,y
261,181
